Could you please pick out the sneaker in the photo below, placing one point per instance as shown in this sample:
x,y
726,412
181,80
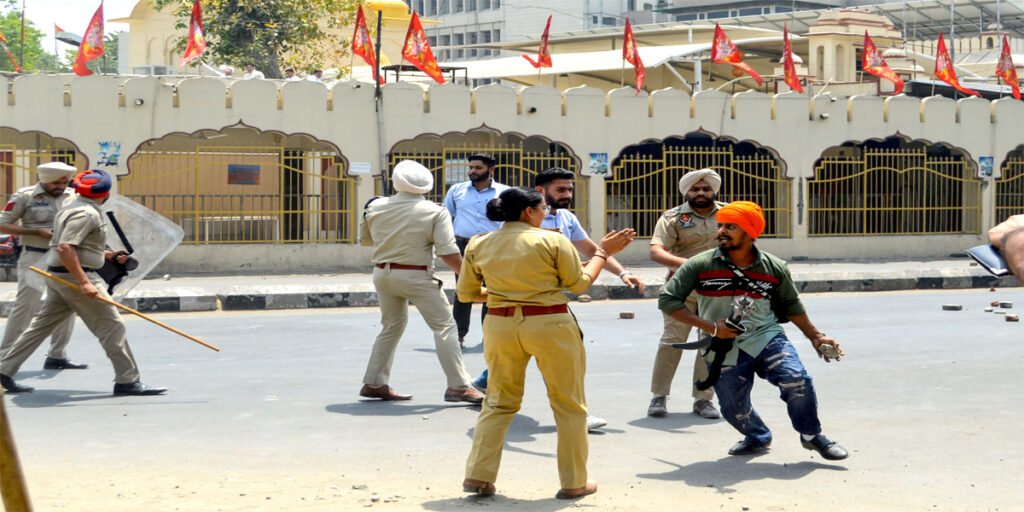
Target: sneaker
x,y
657,408
705,409
480,383
826,447
594,423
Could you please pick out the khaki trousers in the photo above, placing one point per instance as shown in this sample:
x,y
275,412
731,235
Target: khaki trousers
x,y
396,289
557,344
26,305
666,360
63,303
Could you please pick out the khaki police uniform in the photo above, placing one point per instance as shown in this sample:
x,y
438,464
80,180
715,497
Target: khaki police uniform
x,y
404,231
33,207
526,269
79,224
683,233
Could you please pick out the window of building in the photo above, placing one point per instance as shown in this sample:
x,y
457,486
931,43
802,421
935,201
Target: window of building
x,y
458,6
686,17
431,7
714,15
444,7
750,11
989,43
444,41
485,38
630,5
484,4
470,5
495,4
460,39
608,21
472,40
496,35
779,8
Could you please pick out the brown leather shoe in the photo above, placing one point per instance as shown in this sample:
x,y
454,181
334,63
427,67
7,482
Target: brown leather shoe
x,y
579,492
383,392
463,395
478,487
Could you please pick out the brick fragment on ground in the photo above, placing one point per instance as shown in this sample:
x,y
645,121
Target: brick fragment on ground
x,y
952,307
627,315
1013,318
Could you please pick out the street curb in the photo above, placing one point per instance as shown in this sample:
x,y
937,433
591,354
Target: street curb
x,y
258,298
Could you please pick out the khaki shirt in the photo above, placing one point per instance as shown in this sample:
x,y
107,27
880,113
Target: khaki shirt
x,y
407,228
686,234
81,225
522,265
35,208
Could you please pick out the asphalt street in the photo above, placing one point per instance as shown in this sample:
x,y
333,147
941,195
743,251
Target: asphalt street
x,y
927,402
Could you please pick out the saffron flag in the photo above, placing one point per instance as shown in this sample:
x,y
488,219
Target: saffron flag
x,y
944,69
57,29
417,50
362,45
544,54
3,46
196,44
723,51
789,68
874,63
1005,69
631,54
92,44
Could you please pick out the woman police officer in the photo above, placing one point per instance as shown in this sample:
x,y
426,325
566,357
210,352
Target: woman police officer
x,y
526,269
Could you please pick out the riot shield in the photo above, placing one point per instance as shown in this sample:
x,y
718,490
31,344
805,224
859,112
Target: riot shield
x,y
151,235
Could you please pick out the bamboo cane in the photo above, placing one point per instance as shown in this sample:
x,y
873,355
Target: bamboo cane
x,y
12,484
122,307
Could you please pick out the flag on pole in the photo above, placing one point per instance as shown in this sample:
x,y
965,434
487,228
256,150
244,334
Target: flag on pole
x,y
544,54
362,45
789,68
417,50
631,54
92,44
944,69
873,63
3,46
196,44
723,51
1005,69
57,29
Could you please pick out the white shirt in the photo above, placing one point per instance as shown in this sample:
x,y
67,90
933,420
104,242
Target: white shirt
x,y
249,75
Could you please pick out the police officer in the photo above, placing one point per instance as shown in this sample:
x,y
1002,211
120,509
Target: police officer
x,y
681,233
29,214
526,268
78,243
405,230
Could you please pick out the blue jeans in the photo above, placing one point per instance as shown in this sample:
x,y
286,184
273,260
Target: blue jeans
x,y
781,366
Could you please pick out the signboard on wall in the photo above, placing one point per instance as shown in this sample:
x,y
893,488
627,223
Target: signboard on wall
x,y
239,174
985,165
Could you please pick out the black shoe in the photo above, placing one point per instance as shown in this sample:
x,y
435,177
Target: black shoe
x,y
826,447
137,389
749,447
13,387
63,364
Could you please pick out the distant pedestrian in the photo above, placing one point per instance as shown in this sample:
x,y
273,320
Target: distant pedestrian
x,y
316,75
290,76
252,73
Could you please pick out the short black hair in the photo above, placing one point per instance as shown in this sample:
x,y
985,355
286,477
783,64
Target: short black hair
x,y
552,174
486,158
290,69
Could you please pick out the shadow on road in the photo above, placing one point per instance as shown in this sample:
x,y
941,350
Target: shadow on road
x,y
499,502
57,397
373,407
674,422
522,430
724,473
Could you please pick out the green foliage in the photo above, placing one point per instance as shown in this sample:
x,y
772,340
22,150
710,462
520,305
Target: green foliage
x,y
36,59
270,33
107,64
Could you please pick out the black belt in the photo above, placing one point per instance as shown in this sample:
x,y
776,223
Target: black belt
x,y
34,249
461,239
63,270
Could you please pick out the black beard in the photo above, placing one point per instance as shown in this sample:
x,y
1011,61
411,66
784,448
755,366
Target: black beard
x,y
700,202
482,177
557,205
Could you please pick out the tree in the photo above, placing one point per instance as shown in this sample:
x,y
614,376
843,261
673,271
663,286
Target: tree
x,y
36,59
270,33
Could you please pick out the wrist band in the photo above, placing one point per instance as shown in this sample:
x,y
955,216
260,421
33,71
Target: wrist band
x,y
716,330
625,273
602,256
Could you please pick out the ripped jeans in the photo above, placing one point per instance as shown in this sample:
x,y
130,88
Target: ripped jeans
x,y
781,366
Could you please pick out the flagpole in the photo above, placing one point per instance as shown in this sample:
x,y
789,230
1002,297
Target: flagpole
x,y
379,105
21,51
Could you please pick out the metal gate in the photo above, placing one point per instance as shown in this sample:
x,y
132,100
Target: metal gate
x,y
18,164
893,192
514,168
644,186
1010,189
243,195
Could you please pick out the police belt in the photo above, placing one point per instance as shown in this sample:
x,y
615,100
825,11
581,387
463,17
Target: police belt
x,y
29,248
529,310
63,270
399,266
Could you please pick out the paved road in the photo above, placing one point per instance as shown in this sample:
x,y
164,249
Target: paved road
x,y
926,401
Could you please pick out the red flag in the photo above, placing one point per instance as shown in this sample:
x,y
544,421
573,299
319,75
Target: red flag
x,y
788,66
57,29
945,72
362,45
92,44
3,46
631,54
544,54
417,50
723,51
874,63
1005,69
196,44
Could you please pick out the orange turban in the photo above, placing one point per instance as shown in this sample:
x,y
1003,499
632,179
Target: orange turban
x,y
746,215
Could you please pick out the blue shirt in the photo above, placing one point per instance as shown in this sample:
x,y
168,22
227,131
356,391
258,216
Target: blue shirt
x,y
468,208
566,223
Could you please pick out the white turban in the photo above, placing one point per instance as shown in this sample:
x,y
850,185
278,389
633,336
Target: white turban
x,y
691,178
412,178
53,171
